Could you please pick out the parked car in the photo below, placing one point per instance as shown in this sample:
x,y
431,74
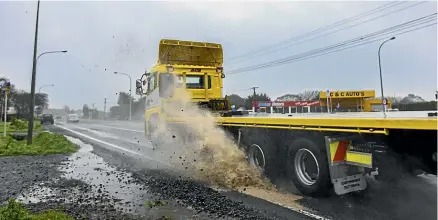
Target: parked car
x,y
73,118
47,118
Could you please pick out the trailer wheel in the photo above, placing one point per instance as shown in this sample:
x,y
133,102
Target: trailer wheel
x,y
307,167
256,156
261,152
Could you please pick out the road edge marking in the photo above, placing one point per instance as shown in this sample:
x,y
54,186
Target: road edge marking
x,y
114,146
123,129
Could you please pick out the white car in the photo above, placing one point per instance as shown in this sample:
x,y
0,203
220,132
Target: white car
x,y
73,118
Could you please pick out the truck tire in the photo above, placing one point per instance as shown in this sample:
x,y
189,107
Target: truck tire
x,y
261,152
307,167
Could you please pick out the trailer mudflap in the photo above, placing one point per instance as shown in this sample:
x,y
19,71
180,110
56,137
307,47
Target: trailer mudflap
x,y
348,157
349,184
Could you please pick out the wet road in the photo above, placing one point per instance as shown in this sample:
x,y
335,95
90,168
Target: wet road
x,y
413,197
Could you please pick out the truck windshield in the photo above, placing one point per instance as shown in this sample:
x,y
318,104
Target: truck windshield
x,y
196,82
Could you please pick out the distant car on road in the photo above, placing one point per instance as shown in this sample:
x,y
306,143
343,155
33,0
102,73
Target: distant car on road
x,y
47,118
73,118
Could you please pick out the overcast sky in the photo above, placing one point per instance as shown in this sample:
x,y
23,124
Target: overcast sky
x,y
103,37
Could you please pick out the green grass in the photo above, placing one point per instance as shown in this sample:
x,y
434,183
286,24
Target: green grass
x,y
9,128
43,144
15,211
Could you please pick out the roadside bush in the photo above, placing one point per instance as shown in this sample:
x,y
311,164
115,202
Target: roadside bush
x,y
43,144
18,124
16,211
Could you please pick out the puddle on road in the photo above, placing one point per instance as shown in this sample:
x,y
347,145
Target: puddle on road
x,y
105,183
90,168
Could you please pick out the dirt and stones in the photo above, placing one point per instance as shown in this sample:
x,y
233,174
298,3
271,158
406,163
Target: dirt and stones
x,y
36,181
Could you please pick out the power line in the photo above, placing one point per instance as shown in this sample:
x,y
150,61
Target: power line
x,y
346,44
273,49
344,21
299,58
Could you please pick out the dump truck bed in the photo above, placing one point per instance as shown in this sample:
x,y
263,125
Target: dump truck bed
x,y
364,122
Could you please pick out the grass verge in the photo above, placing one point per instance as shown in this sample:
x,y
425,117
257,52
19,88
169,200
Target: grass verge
x,y
43,144
20,126
15,210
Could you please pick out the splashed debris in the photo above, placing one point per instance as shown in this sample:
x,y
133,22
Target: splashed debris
x,y
221,161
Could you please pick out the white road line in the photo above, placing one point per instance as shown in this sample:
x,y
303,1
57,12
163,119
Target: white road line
x,y
109,135
123,129
114,146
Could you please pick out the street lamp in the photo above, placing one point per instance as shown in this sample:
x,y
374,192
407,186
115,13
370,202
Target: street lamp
x,y
130,83
380,70
39,90
34,64
55,51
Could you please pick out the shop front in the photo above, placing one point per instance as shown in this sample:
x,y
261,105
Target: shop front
x,y
350,101
287,107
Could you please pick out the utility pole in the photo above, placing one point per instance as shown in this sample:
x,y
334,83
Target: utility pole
x,y
254,95
32,87
104,108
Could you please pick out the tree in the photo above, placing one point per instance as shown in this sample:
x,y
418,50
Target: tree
x,y
236,100
11,94
310,95
411,98
114,111
21,99
288,97
138,107
123,102
258,97
41,100
66,109
94,113
123,99
86,111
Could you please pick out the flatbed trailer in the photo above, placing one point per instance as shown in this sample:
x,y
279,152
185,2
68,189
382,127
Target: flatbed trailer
x,y
341,148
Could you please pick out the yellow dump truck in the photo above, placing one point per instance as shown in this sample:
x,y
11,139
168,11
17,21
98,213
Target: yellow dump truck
x,y
317,152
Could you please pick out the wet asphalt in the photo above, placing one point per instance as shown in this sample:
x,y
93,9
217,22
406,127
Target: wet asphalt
x,y
129,171
411,197
162,180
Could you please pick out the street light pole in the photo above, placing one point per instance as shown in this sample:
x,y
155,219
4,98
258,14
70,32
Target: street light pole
x,y
32,87
130,95
39,90
381,79
34,66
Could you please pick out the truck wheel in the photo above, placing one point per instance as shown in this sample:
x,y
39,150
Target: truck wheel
x,y
261,152
307,167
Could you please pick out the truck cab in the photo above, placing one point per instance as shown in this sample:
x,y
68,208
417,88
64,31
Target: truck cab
x,y
183,67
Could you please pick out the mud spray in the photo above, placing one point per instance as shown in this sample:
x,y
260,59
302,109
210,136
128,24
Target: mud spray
x,y
207,151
